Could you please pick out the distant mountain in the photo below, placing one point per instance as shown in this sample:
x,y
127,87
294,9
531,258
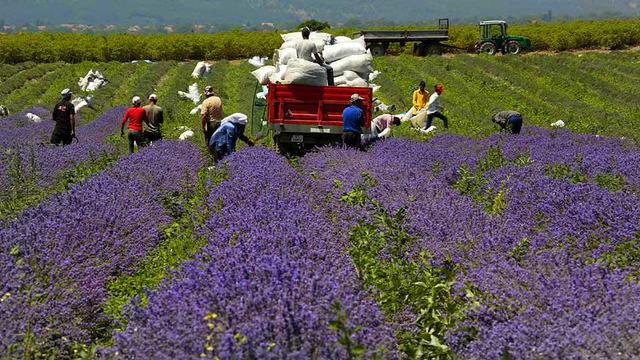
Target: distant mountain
x,y
239,12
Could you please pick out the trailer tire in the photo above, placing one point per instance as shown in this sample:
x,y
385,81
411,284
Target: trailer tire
x,y
512,47
488,48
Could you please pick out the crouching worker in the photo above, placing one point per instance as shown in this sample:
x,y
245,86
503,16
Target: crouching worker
x,y
64,114
223,141
380,128
136,116
509,121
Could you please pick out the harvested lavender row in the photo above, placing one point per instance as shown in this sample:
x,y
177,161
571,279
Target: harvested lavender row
x,y
265,285
45,163
57,257
21,120
550,260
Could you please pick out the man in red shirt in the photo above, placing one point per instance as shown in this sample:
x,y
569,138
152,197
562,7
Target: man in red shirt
x,y
136,116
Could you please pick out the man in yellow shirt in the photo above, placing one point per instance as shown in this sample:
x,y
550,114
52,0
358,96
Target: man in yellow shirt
x,y
420,98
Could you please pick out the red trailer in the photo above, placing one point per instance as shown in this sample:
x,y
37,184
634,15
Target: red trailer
x,y
301,116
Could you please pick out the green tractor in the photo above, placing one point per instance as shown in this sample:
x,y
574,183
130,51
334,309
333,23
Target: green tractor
x,y
494,38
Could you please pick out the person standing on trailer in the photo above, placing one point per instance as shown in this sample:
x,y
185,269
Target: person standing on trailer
x,y
136,116
211,113
64,114
155,118
510,121
352,122
434,108
307,50
223,141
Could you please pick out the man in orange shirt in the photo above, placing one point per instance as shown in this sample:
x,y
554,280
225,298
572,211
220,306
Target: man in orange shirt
x,y
211,114
420,98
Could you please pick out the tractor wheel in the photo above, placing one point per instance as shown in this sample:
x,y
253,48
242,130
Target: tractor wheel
x,y
512,47
378,49
488,48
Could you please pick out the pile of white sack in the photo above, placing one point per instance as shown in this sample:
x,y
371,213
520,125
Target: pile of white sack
x,y
93,81
82,102
349,58
202,69
193,94
33,118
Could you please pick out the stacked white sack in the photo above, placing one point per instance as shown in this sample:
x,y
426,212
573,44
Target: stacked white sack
x,y
202,69
303,72
193,94
93,81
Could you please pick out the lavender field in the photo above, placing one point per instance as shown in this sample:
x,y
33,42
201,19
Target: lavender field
x,y
482,246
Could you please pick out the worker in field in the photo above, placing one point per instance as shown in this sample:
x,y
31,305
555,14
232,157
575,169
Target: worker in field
x,y
510,121
64,114
224,139
419,99
155,118
211,113
434,107
136,116
307,50
352,122
380,128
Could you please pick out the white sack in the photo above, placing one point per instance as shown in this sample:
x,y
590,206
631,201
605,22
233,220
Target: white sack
x,y
185,135
431,129
257,61
33,117
355,83
336,52
196,110
194,93
292,44
305,72
278,76
356,63
95,85
374,75
342,39
374,88
282,56
325,37
262,74
263,93
81,102
199,70
558,124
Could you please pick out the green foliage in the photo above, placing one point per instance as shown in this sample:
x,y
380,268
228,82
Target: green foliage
x,y
314,25
378,249
625,255
612,182
565,172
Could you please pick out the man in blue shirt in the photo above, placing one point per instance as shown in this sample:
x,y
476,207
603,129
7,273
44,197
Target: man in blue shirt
x,y
352,122
223,141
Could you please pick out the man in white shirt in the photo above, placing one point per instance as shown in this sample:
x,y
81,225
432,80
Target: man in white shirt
x,y
434,108
381,128
306,49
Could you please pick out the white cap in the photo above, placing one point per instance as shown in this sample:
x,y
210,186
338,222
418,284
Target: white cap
x,y
136,100
153,97
356,97
66,92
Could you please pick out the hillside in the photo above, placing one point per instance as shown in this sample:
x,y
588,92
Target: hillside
x,y
256,11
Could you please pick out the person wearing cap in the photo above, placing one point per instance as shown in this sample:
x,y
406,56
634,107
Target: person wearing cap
x,y
509,121
64,114
307,50
381,128
352,122
434,108
419,99
223,141
136,116
155,118
211,113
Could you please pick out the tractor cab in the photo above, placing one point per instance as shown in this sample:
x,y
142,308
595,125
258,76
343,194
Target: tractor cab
x,y
494,38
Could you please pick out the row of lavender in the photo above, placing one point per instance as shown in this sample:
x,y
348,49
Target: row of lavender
x,y
57,258
553,262
268,284
26,155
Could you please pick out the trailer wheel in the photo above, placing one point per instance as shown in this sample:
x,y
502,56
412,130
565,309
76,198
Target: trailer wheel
x,y
512,47
488,48
378,49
